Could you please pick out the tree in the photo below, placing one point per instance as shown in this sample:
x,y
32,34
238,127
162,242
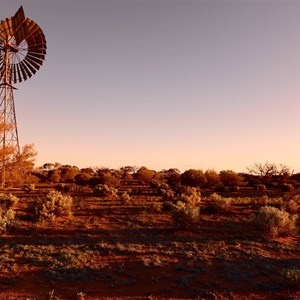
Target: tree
x,y
212,178
194,178
16,166
68,173
269,169
144,175
231,178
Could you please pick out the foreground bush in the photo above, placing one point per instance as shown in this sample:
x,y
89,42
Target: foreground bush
x,y
7,220
275,222
184,215
55,204
7,201
103,190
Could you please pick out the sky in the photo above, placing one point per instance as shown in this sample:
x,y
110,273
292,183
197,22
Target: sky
x,y
163,84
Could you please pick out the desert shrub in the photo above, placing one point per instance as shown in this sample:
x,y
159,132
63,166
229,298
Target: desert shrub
x,y
184,215
274,222
296,198
84,189
7,200
277,202
193,178
167,193
220,187
189,195
167,206
231,178
144,175
261,201
28,187
261,187
218,203
125,197
103,190
65,188
291,276
212,178
292,206
55,204
286,187
7,220
156,206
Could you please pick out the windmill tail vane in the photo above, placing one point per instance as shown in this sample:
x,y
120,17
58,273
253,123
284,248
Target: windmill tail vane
x,y
22,52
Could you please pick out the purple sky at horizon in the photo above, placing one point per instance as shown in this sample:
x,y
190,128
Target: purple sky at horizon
x,y
163,84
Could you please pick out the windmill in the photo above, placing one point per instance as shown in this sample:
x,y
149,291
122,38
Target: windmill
x,y
22,52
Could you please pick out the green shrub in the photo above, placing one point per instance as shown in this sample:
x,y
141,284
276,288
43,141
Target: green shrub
x,y
184,215
103,190
274,222
7,200
55,204
7,220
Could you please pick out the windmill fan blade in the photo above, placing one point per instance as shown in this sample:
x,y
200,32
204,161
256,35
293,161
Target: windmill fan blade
x,y
32,62
14,73
19,25
26,70
23,71
36,55
30,67
19,73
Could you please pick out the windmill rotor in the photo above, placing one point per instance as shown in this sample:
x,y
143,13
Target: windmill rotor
x,y
24,42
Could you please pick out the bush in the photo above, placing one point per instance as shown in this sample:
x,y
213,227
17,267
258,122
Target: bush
x,y
103,190
28,187
156,206
218,203
125,197
7,220
275,222
167,193
261,187
7,200
262,201
55,204
185,216
65,188
292,206
189,195
286,187
291,276
194,178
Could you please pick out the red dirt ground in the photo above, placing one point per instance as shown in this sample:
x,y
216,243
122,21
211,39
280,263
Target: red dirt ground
x,y
112,250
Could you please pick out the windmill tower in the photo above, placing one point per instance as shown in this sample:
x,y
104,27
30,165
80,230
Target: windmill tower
x,y
22,52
